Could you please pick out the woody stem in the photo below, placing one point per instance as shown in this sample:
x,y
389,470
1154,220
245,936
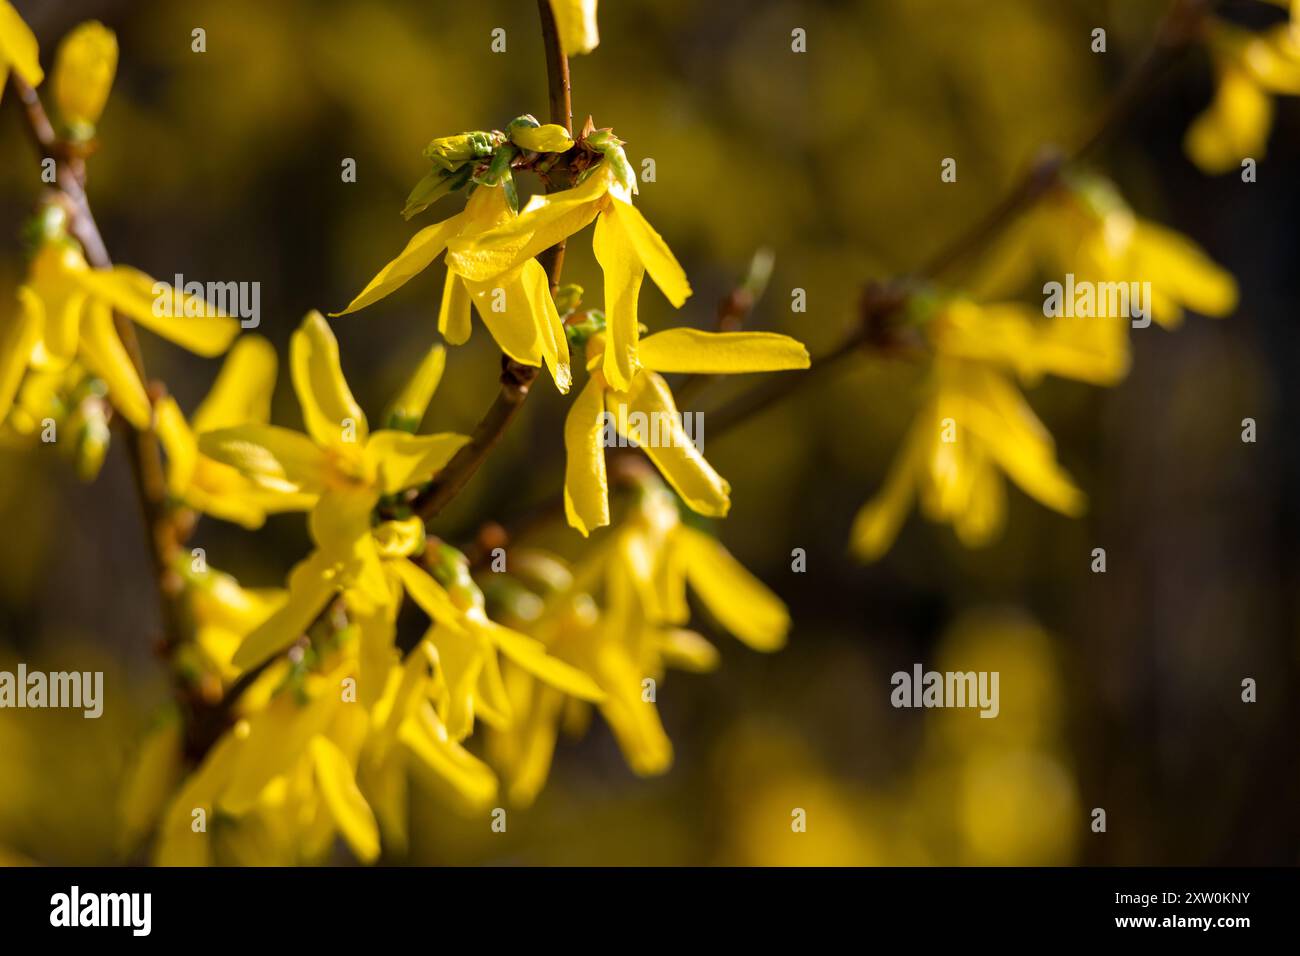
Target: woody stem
x,y
145,454
516,378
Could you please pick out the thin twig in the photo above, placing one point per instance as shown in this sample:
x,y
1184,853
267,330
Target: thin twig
x,y
516,379
1179,26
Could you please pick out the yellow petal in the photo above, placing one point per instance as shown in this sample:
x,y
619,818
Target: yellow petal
x,y
586,489
55,280
328,409
531,655
721,353
484,256
655,256
18,46
432,598
403,460
407,410
576,22
741,603
178,442
17,340
274,457
340,525
623,274
554,339
673,453
876,525
453,312
1234,126
687,650
633,720
343,799
1004,423
188,321
84,67
310,588
443,763
423,248
1180,270
243,389
505,309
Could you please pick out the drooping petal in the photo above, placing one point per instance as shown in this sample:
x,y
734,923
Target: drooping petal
x,y
443,763
876,525
655,256
507,312
453,312
1179,270
54,281
552,219
531,655
721,353
432,598
178,442
273,457
586,489
16,343
424,247
105,355
403,460
647,415
576,22
554,339
188,321
328,409
1234,126
311,585
343,799
623,274
18,46
243,389
741,603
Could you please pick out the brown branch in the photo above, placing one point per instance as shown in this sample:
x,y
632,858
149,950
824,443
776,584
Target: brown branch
x,y
146,457
1175,33
516,378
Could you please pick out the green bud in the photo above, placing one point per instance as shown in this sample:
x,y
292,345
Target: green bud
x,y
437,183
48,224
579,333
450,152
567,298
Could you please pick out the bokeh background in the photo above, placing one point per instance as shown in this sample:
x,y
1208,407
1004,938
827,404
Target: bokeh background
x,y
1119,691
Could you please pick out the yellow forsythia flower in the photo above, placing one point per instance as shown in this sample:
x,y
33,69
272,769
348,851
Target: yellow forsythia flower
x,y
516,306
241,395
73,305
646,403
620,616
973,425
18,49
84,67
1251,69
626,247
576,21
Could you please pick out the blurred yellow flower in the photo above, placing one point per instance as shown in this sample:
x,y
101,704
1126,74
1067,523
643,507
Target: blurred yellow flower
x,y
973,426
84,67
620,616
576,21
18,49
644,412
73,306
241,395
1251,69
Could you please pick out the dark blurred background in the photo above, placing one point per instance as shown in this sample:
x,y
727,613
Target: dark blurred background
x,y
1119,691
